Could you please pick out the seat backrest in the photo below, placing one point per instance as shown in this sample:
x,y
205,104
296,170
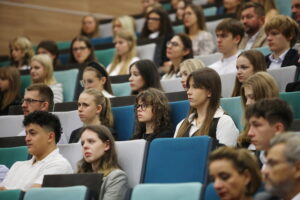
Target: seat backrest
x,y
264,50
11,125
124,121
228,81
210,59
63,45
10,194
69,121
178,29
172,85
105,30
72,152
210,11
293,98
121,89
68,79
179,110
284,7
176,96
174,191
58,193
122,101
8,156
175,160
233,107
25,82
14,141
210,193
131,158
283,76
105,56
139,24
146,51
65,106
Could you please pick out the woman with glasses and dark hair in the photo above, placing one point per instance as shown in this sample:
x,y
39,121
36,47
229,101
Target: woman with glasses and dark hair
x,y
95,76
158,25
99,156
206,117
10,84
152,115
179,48
143,75
81,51
93,109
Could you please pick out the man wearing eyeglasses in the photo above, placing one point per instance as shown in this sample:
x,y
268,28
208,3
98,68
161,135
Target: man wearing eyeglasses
x,y
282,172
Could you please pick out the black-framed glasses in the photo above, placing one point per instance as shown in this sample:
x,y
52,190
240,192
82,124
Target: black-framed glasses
x,y
29,100
153,18
78,49
142,106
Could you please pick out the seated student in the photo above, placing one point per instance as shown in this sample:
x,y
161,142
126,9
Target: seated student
x,y
10,83
81,51
229,34
235,173
43,131
270,7
143,75
152,115
206,116
148,4
282,33
99,156
93,109
95,76
248,63
179,48
123,23
259,86
125,55
229,7
267,118
181,6
187,67
50,48
89,27
194,24
20,53
41,71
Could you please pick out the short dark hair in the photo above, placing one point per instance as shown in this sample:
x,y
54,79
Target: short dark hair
x,y
46,120
50,46
273,110
45,92
233,26
258,8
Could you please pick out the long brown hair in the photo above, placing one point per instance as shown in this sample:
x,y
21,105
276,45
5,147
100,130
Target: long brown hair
x,y
160,109
12,74
105,116
109,160
208,79
257,60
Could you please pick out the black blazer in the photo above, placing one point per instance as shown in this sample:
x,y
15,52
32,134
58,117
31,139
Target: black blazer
x,y
291,58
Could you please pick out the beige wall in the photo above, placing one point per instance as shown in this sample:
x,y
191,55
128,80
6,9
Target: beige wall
x,y
58,20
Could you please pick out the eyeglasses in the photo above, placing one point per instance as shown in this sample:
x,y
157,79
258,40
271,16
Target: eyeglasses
x,y
29,100
84,82
78,49
173,44
153,19
142,106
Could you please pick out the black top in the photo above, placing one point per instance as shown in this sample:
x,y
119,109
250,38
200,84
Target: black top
x,y
75,136
162,134
4,111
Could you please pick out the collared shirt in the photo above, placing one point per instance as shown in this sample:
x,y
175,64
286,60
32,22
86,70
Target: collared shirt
x,y
23,174
226,65
226,133
251,40
276,62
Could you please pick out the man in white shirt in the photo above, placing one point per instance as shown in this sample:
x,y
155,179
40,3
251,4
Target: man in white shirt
x,y
229,34
43,131
253,18
282,172
267,118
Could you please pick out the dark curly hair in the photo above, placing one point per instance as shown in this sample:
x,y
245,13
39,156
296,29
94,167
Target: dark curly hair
x,y
160,109
46,120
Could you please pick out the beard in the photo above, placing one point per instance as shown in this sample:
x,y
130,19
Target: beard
x,y
280,189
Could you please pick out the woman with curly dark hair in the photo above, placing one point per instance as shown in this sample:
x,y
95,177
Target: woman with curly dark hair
x,y
152,115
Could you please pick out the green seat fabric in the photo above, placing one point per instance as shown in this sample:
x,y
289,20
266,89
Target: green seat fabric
x,y
293,98
5,63
68,79
178,29
8,156
284,7
59,193
105,56
63,45
175,191
233,107
264,50
25,82
10,194
121,89
211,11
